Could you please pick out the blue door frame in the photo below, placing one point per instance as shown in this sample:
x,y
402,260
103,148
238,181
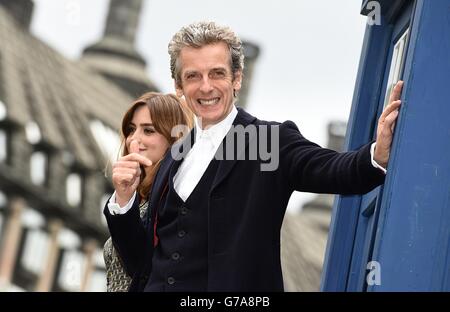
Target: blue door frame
x,y
389,224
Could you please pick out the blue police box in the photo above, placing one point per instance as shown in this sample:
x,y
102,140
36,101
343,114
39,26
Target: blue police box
x,y
397,237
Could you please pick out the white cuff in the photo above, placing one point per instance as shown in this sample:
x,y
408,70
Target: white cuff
x,y
374,163
115,209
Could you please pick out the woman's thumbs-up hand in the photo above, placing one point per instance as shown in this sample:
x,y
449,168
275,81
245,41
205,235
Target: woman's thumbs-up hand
x,y
127,172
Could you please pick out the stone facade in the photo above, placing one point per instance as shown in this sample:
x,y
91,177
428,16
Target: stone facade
x,y
51,176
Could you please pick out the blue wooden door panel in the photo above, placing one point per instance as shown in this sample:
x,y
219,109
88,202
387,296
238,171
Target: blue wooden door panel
x,y
346,208
405,226
370,203
354,221
412,245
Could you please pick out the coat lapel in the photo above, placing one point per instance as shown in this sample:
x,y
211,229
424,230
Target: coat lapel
x,y
180,149
160,182
173,158
225,166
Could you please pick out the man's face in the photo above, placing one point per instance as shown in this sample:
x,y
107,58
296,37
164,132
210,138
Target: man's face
x,y
207,81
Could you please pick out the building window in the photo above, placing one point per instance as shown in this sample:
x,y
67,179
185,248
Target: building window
x,y
38,167
36,244
74,189
73,265
3,202
33,133
32,219
97,280
107,139
72,261
3,112
397,64
1,226
3,145
35,252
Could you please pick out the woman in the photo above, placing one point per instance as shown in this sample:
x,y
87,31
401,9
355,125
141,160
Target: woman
x,y
147,124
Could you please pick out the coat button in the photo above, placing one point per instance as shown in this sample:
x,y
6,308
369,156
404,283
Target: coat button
x,y
175,256
183,211
181,234
170,280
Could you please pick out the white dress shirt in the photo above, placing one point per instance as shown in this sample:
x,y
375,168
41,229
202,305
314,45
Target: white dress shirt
x,y
207,141
374,163
197,160
115,209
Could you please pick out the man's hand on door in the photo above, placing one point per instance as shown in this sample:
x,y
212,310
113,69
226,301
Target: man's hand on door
x,y
386,125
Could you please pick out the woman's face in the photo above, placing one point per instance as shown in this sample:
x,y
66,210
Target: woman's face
x,y
152,144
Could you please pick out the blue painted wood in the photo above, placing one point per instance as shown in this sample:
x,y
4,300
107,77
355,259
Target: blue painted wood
x,y
357,265
340,244
363,241
346,208
408,231
367,207
413,238
401,24
370,203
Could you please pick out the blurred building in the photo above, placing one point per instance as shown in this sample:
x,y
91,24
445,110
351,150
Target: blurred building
x,y
304,235
58,121
251,53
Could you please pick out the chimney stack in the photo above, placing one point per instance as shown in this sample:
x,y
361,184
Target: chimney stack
x,y
251,53
115,56
21,10
123,19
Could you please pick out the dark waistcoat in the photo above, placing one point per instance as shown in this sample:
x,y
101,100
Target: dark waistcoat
x,y
180,260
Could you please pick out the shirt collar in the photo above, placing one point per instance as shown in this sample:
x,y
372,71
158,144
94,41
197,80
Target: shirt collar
x,y
217,131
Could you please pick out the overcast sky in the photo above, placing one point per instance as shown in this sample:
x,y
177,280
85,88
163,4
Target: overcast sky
x,y
309,57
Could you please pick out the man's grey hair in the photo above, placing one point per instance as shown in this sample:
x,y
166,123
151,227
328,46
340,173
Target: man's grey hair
x,y
199,34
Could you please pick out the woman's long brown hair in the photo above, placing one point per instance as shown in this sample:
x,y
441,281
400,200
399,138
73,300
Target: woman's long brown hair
x,y
166,111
